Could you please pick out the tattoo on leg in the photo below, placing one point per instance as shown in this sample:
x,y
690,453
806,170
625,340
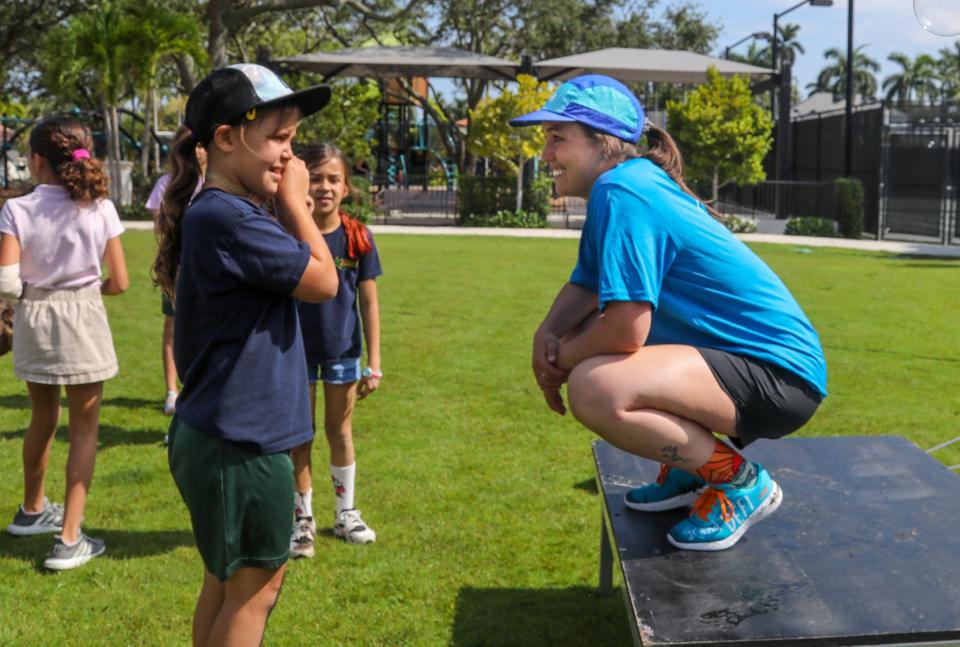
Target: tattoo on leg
x,y
672,454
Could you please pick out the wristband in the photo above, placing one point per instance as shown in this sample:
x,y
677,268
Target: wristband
x,y
369,372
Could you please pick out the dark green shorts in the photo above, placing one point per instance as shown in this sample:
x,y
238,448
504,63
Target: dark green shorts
x,y
166,305
240,502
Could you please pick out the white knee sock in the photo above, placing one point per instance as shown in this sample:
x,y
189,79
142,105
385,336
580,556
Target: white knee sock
x,y
303,503
343,478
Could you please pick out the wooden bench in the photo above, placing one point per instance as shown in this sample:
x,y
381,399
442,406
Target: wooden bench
x,y
865,550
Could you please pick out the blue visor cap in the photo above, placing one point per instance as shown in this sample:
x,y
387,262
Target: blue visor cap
x,y
593,100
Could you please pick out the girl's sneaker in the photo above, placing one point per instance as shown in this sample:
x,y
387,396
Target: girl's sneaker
x,y
350,527
674,488
50,519
303,537
724,512
63,557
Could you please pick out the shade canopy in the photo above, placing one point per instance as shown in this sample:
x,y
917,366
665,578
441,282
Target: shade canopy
x,y
643,65
404,61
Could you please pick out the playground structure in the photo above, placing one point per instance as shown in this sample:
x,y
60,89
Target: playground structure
x,y
409,150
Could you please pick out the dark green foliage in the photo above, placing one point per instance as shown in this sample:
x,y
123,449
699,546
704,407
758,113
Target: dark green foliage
x,y
810,226
486,196
506,218
135,211
359,205
849,207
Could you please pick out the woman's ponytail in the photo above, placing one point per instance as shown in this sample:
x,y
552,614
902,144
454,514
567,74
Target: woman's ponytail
x,y
185,172
664,152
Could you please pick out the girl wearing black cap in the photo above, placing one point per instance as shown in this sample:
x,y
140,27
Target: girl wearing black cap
x,y
237,344
669,329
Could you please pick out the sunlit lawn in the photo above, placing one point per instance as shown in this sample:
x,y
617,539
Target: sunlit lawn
x,y
483,500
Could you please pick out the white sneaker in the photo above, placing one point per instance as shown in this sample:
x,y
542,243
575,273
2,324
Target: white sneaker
x,y
350,527
170,404
303,537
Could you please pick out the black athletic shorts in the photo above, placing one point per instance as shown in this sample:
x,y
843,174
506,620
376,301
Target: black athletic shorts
x,y
771,401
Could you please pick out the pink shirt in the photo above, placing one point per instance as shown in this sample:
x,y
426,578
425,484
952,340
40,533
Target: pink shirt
x,y
61,241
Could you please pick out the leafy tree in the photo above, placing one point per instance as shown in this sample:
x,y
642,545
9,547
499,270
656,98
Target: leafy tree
x,y
164,33
226,18
550,29
23,24
833,78
492,136
915,81
685,27
346,122
723,133
96,47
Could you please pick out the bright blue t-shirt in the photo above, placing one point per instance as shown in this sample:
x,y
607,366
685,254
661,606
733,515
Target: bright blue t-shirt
x,y
331,329
646,240
237,342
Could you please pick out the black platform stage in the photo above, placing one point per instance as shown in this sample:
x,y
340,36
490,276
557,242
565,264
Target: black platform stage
x,y
864,550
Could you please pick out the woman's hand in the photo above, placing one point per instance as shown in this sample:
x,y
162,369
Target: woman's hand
x,y
549,377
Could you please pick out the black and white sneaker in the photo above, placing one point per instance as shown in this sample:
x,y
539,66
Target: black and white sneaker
x,y
50,519
303,537
350,527
63,557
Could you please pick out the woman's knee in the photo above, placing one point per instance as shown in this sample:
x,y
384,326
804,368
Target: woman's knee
x,y
587,396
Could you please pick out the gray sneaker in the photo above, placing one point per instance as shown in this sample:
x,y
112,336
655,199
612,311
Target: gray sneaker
x,y
63,557
50,519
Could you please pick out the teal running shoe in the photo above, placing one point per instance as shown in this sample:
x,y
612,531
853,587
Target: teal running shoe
x,y
724,512
673,489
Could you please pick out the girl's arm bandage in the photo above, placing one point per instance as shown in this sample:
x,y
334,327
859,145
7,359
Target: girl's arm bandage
x,y
11,287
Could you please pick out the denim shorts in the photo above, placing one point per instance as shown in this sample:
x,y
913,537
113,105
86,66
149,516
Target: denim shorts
x,y
771,401
345,370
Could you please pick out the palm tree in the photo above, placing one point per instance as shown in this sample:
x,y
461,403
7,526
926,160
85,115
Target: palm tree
x,y
755,56
915,81
164,33
786,41
948,72
94,47
833,78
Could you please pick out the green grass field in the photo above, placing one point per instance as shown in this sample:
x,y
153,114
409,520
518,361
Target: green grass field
x,y
482,498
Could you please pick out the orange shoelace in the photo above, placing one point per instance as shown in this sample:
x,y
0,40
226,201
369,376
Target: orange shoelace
x,y
705,503
662,476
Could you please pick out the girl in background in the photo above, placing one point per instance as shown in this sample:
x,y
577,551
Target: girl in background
x,y
54,240
154,201
333,344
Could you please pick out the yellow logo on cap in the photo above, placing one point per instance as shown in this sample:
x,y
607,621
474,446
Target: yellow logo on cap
x,y
251,114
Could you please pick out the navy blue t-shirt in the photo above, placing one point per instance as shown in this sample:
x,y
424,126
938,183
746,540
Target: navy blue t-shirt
x,y
237,342
331,329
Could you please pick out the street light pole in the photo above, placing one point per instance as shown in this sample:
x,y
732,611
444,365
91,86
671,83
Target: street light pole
x,y
756,34
775,43
848,112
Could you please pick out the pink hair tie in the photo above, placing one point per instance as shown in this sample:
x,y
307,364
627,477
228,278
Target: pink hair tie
x,y
80,154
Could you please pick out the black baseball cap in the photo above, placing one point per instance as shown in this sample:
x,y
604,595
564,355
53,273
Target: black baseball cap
x,y
226,94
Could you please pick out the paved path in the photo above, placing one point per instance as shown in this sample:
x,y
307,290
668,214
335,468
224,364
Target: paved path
x,y
914,249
